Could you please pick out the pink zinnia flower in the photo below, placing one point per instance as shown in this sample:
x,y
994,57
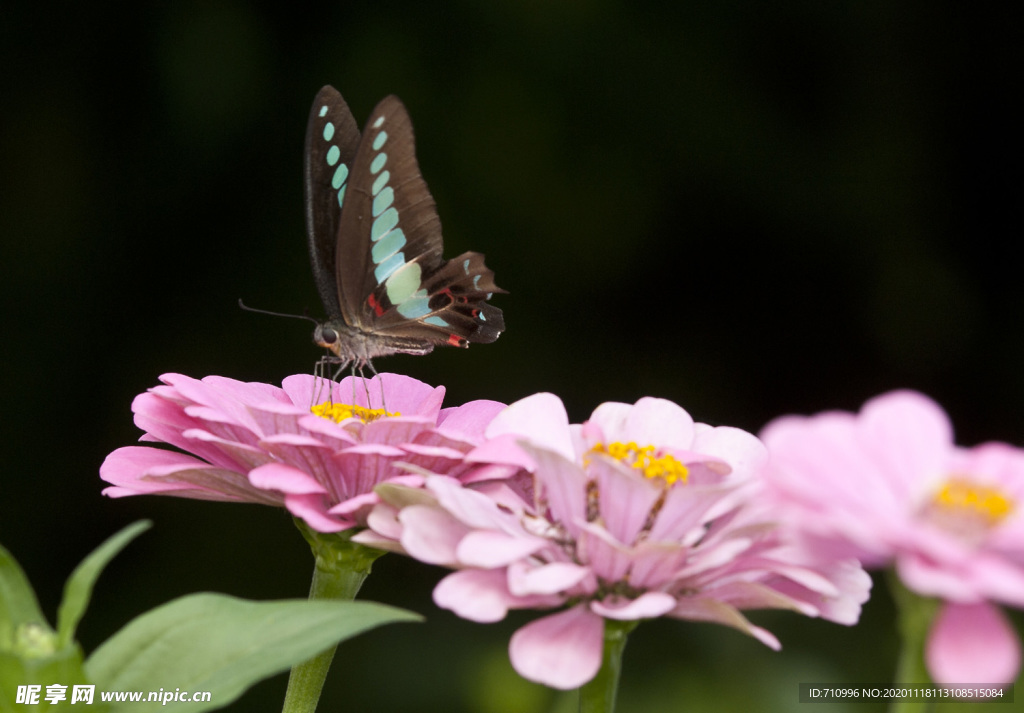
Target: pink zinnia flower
x,y
890,486
636,514
252,442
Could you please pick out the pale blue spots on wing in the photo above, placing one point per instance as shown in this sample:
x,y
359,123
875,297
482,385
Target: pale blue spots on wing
x,y
383,201
378,163
340,174
333,154
389,266
323,110
387,246
436,321
381,181
482,317
476,282
383,224
328,131
404,283
380,120
465,266
379,140
414,307
341,196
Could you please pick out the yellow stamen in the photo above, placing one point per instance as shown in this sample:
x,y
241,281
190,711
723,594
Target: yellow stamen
x,y
340,412
643,458
960,496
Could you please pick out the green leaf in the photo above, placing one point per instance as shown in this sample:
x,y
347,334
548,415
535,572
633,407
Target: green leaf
x,y
63,667
79,586
217,643
18,604
29,653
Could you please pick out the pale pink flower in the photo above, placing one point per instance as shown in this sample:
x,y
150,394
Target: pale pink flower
x,y
636,514
889,486
253,442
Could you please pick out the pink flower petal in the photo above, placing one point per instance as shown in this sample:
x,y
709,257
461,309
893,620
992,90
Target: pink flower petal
x,y
526,579
501,449
541,418
930,578
356,508
745,454
234,454
431,535
647,606
909,434
488,549
562,650
311,508
286,479
127,467
972,643
139,470
474,594
626,497
564,484
658,422
471,507
469,422
709,609
383,521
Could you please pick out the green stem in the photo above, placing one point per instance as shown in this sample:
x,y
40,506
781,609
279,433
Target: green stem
x,y
598,695
914,618
341,567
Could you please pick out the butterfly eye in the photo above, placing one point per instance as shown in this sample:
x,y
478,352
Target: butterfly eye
x,y
325,336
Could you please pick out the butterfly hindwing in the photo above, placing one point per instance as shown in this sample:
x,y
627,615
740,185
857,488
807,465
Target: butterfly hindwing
x,y
332,139
456,305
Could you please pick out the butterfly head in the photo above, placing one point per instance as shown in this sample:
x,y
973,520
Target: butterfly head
x,y
326,337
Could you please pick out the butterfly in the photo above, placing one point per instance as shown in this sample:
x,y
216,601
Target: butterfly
x,y
375,243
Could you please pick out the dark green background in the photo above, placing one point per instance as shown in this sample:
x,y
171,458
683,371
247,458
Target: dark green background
x,y
750,208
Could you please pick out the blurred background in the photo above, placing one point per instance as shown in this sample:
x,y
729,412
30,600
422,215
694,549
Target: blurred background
x,y
749,208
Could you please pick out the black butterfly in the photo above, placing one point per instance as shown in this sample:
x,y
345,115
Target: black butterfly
x,y
375,243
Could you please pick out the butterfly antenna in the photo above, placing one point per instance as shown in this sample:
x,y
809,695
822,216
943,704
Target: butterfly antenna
x,y
275,314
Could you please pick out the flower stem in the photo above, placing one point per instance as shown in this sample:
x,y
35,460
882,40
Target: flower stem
x,y
341,567
598,695
914,617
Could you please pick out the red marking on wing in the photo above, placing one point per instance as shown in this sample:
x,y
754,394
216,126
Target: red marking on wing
x,y
456,341
372,301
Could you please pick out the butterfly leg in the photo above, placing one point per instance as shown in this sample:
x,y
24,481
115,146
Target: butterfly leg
x,y
318,378
383,403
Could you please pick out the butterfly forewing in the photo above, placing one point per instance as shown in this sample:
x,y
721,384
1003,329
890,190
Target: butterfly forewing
x,y
396,282
332,139
392,211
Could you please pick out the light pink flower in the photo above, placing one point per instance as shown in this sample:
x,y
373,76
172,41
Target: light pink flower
x,y
636,514
889,485
252,442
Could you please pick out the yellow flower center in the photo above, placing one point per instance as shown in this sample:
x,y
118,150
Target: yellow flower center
x,y
340,412
959,497
643,458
